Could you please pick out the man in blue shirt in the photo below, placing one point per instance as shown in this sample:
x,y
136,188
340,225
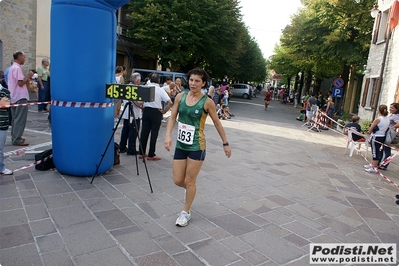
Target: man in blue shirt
x,y
6,72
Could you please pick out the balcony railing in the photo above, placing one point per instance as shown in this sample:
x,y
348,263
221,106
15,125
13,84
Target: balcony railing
x,y
122,30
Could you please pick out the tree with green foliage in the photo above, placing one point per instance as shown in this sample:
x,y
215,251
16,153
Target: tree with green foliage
x,y
187,34
327,37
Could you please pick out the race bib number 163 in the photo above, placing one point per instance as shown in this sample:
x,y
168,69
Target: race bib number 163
x,y
185,133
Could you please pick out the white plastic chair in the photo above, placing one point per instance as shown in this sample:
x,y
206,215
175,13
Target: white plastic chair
x,y
354,143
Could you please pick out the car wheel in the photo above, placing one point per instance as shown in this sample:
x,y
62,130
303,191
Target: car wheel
x,y
245,96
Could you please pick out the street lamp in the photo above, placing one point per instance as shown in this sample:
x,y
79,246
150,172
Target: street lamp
x,y
374,11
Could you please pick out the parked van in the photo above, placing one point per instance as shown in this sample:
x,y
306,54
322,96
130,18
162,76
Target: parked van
x,y
240,90
163,74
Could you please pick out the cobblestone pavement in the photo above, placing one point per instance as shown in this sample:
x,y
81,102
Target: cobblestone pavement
x,y
283,188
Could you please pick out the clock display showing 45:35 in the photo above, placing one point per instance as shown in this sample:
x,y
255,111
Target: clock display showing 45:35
x,y
121,91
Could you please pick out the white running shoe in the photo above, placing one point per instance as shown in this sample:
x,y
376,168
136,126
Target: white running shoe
x,y
370,170
367,166
183,218
7,172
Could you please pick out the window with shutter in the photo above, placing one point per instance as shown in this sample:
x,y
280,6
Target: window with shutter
x,y
376,28
383,27
365,92
375,92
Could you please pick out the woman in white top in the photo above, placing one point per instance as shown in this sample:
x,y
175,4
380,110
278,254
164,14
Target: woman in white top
x,y
377,130
118,102
393,123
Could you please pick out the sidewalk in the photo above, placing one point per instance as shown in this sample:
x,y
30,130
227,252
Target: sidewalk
x,y
282,189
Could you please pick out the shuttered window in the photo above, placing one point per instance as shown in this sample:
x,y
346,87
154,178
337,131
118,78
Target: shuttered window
x,y
376,28
374,95
370,93
365,92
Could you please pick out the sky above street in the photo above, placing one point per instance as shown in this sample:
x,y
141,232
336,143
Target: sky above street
x,y
266,19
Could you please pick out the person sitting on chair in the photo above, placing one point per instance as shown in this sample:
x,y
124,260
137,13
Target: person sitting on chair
x,y
355,127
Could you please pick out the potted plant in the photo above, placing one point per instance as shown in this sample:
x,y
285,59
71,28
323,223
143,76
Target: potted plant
x,y
342,121
365,125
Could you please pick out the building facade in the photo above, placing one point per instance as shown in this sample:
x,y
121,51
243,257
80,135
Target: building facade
x,y
18,31
381,81
129,52
25,26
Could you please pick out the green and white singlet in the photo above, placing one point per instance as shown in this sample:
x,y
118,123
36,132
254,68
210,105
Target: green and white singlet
x,y
191,123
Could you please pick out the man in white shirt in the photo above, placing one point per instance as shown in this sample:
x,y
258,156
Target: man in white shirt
x,y
131,121
152,117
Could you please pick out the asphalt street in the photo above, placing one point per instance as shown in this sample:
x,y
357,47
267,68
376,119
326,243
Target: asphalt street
x,y
283,189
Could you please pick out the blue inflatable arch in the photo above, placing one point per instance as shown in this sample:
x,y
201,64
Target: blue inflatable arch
x,y
83,56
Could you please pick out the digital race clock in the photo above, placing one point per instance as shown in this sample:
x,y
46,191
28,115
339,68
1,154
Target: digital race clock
x,y
130,92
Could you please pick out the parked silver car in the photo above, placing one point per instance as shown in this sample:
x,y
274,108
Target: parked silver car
x,y
240,90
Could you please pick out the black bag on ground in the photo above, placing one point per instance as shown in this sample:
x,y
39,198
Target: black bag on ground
x,y
116,154
46,165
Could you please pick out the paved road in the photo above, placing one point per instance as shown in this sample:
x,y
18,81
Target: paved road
x,y
282,189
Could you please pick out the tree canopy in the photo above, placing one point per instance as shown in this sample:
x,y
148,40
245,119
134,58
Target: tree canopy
x,y
325,37
210,35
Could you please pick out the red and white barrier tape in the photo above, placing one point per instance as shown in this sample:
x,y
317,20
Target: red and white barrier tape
x,y
362,135
386,161
33,164
23,104
81,104
64,104
19,152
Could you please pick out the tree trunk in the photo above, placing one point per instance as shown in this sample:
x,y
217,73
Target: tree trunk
x,y
301,87
309,78
345,77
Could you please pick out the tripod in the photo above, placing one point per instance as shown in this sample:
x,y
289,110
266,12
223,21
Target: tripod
x,y
128,106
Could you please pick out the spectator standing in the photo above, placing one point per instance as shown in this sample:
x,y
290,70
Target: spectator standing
x,y
32,86
225,99
169,86
152,117
320,100
377,130
225,83
19,95
3,80
131,127
43,74
6,74
259,88
4,123
211,92
251,92
295,98
168,80
6,83
178,88
330,111
118,102
254,91
191,111
393,123
216,95
312,101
